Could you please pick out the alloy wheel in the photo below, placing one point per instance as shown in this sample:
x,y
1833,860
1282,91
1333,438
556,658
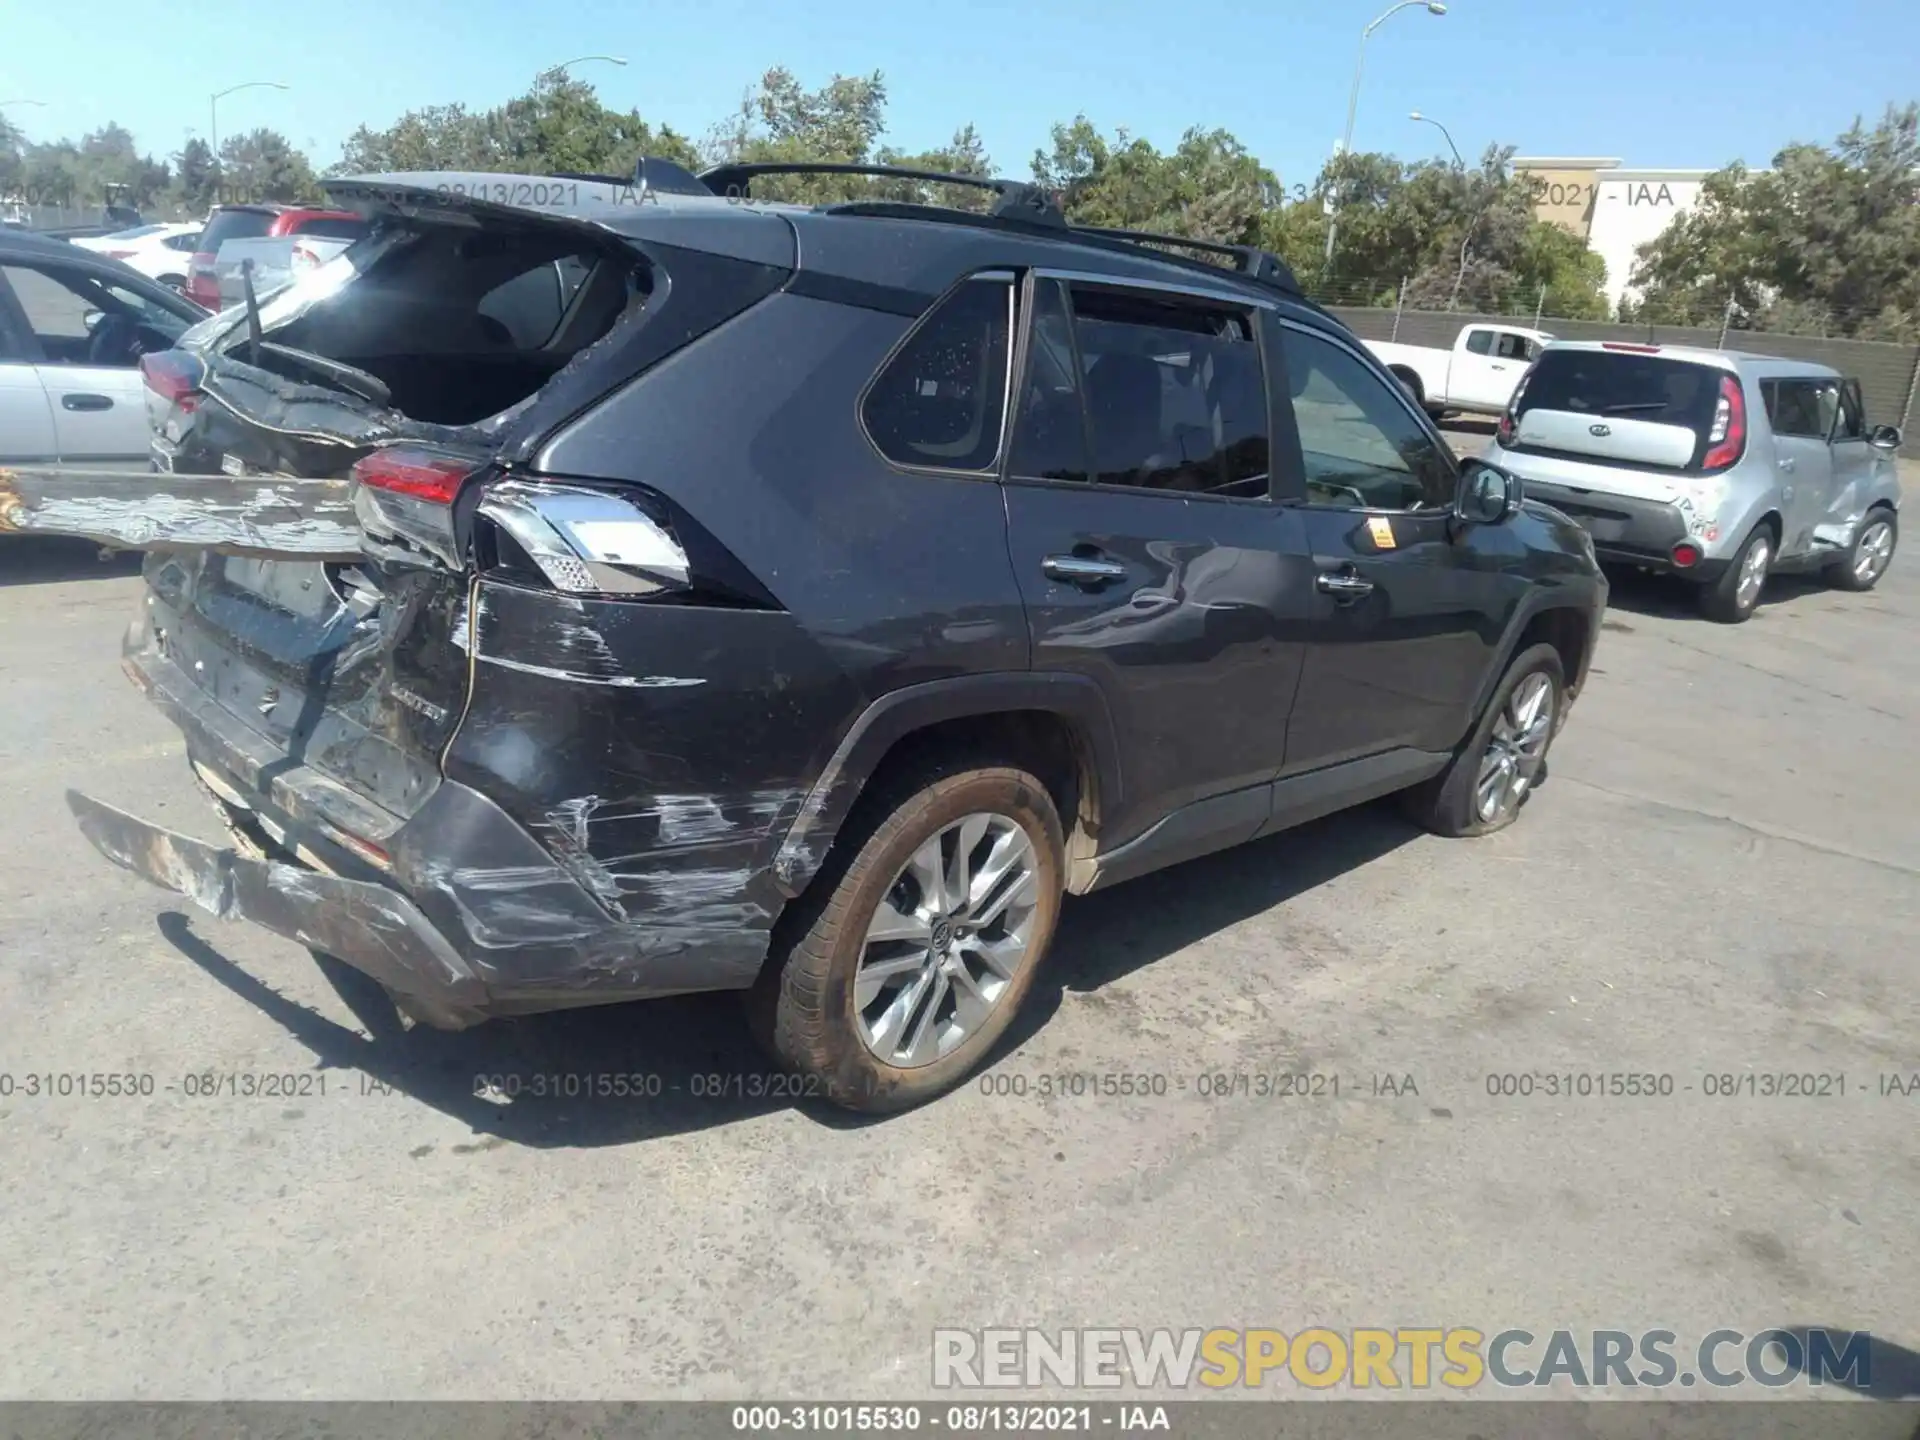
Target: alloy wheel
x,y
1753,573
947,941
1515,749
1875,550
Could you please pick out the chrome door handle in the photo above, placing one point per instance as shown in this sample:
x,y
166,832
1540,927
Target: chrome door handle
x,y
1787,464
1083,570
1343,586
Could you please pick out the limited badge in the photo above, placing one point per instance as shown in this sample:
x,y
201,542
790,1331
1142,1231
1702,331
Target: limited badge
x,y
1381,529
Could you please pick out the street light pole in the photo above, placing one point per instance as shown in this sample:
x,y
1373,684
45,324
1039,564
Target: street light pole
x,y
1433,7
582,59
1444,131
213,110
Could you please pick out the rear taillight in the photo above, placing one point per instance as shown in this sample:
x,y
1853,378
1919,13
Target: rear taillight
x,y
1728,438
1686,555
1504,435
173,375
304,257
403,498
421,474
202,286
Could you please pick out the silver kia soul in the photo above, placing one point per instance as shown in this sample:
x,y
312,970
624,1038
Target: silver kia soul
x,y
1717,466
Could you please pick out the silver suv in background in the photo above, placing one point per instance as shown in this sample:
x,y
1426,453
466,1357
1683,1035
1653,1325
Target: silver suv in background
x,y
1712,465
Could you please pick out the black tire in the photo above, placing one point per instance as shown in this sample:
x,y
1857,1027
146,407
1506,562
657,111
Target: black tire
x,y
802,1008
175,282
1845,573
1721,600
1447,804
1410,382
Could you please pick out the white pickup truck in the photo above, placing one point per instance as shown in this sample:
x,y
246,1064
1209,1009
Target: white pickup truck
x,y
1477,375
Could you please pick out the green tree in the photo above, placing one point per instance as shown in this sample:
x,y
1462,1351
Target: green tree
x,y
1827,241
13,146
1207,188
558,126
262,165
1458,237
196,177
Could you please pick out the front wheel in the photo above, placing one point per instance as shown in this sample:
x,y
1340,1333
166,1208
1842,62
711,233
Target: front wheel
x,y
1870,554
894,981
1505,759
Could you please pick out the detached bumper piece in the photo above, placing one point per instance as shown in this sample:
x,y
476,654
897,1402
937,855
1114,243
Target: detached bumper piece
x,y
374,929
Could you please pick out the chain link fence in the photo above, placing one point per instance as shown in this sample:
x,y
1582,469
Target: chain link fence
x,y
1889,372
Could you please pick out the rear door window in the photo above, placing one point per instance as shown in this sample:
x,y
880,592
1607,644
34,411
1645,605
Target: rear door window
x,y
532,304
1050,435
940,401
1173,391
1804,409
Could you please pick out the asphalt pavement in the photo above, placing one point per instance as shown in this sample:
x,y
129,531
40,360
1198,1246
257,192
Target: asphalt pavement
x,y
1719,880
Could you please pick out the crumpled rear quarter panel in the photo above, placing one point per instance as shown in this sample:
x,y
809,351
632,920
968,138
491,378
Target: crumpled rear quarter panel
x,y
656,752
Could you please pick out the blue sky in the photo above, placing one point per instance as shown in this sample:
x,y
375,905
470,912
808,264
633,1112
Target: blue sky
x,y
1658,83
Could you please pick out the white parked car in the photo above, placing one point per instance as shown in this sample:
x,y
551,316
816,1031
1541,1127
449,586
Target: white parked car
x,y
1477,375
74,327
158,251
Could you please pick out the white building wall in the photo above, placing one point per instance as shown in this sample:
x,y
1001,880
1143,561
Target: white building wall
x,y
1630,208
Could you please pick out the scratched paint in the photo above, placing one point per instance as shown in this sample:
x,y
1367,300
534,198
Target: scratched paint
x,y
629,682
129,508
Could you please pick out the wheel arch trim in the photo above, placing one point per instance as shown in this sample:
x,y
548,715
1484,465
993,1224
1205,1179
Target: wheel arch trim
x,y
1536,604
1076,699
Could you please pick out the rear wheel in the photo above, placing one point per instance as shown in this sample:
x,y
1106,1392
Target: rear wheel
x,y
1733,597
1505,759
1870,554
175,282
892,983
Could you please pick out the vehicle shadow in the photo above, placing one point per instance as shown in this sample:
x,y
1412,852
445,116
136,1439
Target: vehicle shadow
x,y
1641,592
1889,1371
44,559
1108,935
616,1074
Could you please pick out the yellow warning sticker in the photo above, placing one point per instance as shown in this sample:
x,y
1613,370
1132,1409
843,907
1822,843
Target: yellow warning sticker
x,y
1381,528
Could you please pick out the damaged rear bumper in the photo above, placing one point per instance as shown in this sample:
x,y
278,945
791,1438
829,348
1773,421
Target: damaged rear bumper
x,y
375,929
460,911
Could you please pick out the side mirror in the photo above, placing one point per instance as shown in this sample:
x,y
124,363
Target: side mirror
x,y
1487,494
92,319
1884,437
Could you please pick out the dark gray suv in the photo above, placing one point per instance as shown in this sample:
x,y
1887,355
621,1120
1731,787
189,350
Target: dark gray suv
x,y
585,590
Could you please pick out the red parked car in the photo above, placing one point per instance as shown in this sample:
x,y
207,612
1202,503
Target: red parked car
x,y
252,222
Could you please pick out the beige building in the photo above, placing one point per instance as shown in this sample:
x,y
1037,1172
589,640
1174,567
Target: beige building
x,y
1614,209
